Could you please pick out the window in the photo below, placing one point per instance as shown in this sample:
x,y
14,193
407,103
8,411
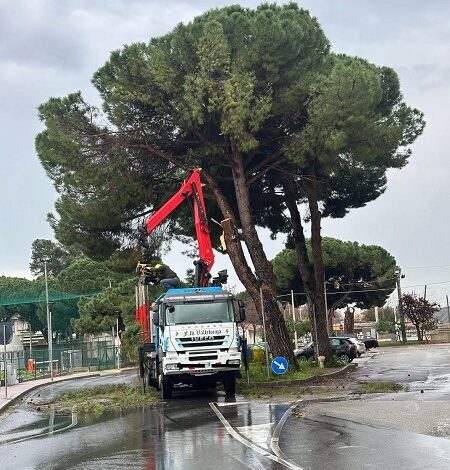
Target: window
x,y
198,312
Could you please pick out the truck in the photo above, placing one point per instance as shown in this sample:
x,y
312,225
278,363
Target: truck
x,y
190,335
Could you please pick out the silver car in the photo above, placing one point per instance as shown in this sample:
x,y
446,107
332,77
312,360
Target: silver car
x,y
361,347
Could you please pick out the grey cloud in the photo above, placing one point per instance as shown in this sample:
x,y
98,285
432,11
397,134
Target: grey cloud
x,y
52,47
30,34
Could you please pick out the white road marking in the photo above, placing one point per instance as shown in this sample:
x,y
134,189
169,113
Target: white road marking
x,y
233,404
71,425
257,433
249,444
274,442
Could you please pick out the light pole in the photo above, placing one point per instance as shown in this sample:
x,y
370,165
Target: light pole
x,y
117,339
49,324
398,276
294,320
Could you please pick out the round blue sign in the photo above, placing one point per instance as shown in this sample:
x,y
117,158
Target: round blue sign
x,y
279,365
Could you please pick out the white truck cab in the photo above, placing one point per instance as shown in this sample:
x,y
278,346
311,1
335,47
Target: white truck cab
x,y
195,339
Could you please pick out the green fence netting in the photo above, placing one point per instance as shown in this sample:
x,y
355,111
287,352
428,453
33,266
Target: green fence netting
x,y
53,297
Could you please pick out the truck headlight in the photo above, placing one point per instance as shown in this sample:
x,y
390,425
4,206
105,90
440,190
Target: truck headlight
x,y
171,366
234,362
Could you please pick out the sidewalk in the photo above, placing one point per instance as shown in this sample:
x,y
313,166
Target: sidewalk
x,y
18,390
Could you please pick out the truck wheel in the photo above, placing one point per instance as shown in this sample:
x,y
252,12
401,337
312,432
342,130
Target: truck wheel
x,y
166,387
229,384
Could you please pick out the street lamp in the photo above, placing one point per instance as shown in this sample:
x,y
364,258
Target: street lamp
x,y
49,323
398,276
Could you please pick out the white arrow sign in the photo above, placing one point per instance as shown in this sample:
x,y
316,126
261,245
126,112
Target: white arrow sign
x,y
280,365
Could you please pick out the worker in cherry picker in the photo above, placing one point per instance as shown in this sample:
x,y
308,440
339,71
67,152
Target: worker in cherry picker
x,y
161,274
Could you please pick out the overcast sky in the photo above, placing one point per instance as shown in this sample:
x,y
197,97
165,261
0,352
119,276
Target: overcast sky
x,y
52,47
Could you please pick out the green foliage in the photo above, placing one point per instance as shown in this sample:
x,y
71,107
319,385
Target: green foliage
x,y
99,313
385,326
384,313
349,268
16,288
336,362
378,387
21,290
234,77
56,255
131,339
258,373
97,400
358,127
302,327
85,275
247,95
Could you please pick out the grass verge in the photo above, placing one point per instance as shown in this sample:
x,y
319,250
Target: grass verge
x,y
263,386
378,387
105,398
399,344
258,373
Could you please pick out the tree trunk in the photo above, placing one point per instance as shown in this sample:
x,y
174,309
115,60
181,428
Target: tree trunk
x,y
277,334
330,321
349,320
419,333
319,270
318,322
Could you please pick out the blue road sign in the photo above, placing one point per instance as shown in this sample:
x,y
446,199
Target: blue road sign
x,y
279,365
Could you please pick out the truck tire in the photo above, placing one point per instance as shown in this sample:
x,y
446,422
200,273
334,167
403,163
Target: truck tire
x,y
166,387
229,384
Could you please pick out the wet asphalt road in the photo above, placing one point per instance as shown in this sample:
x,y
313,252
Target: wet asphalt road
x,y
207,431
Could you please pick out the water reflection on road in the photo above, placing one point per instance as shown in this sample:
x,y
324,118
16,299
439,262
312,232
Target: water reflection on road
x,y
184,434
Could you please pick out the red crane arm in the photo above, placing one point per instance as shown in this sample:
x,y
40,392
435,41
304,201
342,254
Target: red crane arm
x,y
190,189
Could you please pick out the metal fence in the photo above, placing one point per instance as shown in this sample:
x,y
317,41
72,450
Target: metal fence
x,y
67,358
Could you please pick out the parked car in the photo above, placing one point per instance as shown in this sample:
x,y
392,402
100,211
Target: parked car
x,y
370,343
360,346
341,347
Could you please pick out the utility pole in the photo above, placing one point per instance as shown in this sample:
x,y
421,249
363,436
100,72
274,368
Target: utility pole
x,y
265,333
398,276
49,324
293,319
118,342
377,319
5,364
31,339
448,309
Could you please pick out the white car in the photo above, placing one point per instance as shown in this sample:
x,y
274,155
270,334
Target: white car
x,y
359,345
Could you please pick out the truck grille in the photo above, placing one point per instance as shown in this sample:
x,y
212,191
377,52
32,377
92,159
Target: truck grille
x,y
203,358
209,341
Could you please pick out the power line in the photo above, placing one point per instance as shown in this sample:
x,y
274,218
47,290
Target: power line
x,y
428,284
369,290
425,267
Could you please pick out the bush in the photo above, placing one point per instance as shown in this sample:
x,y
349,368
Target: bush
x,y
131,339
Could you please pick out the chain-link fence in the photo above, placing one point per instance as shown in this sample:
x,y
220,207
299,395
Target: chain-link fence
x,y
67,358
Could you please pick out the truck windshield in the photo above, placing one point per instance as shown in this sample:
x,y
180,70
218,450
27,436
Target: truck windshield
x,y
214,312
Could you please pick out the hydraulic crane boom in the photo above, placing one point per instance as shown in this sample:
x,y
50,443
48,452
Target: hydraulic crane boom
x,y
191,189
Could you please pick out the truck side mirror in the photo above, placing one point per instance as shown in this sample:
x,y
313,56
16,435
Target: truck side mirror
x,y
156,318
241,310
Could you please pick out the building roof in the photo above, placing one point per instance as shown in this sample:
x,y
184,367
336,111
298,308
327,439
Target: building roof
x,y
442,315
